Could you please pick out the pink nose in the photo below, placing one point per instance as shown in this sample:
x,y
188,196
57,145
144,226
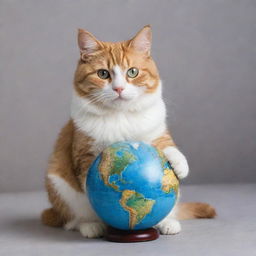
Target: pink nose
x,y
118,90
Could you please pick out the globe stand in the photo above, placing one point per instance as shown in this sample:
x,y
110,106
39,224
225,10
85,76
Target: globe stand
x,y
130,236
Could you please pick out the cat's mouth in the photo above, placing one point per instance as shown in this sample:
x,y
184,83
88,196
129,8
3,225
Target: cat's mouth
x,y
121,98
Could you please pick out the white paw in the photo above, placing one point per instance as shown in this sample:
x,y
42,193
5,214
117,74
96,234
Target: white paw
x,y
178,161
169,227
92,229
71,225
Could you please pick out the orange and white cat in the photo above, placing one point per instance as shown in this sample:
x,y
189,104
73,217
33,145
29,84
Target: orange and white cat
x,y
117,96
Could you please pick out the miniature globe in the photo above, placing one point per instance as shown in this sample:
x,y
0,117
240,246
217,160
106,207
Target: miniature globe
x,y
131,186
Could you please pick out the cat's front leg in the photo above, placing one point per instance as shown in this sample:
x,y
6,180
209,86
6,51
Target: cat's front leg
x,y
169,225
177,160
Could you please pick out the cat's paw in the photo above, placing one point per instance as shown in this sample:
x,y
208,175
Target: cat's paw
x,y
92,229
169,227
178,161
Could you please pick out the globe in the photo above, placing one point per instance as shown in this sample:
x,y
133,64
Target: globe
x,y
131,186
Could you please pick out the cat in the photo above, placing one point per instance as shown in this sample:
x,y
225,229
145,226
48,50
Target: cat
x,y
117,96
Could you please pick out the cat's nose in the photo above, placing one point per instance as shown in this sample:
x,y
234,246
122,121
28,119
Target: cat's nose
x,y
118,90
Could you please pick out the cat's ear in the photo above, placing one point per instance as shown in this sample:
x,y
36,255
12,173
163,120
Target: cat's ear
x,y
87,43
142,41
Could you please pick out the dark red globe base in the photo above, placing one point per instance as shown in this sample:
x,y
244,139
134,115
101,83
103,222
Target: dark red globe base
x,y
131,236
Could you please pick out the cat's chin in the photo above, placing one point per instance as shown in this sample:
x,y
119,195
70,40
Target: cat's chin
x,y
120,99
123,99
129,104
119,104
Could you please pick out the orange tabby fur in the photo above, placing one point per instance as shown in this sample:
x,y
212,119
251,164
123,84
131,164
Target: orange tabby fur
x,y
73,154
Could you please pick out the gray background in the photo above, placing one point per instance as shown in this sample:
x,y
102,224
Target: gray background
x,y
206,53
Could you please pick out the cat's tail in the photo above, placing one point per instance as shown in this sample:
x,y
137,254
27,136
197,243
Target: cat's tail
x,y
195,210
51,218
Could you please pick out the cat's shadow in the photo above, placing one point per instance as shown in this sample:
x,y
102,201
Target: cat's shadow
x,y
32,229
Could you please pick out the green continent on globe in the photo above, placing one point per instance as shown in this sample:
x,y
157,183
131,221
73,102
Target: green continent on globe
x,y
164,160
170,181
111,164
137,205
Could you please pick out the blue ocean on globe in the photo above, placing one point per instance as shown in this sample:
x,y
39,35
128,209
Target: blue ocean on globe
x,y
131,185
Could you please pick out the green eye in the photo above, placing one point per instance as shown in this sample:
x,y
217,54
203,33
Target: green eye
x,y
132,72
103,74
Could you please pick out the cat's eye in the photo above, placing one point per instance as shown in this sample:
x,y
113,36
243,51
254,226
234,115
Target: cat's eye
x,y
103,74
132,72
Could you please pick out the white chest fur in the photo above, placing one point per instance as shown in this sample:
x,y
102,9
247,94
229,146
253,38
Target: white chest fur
x,y
109,127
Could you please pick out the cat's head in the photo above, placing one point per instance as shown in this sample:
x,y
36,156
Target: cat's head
x,y
119,75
